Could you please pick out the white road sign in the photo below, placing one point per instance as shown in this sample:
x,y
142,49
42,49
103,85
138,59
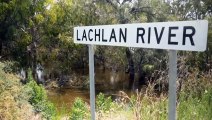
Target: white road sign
x,y
180,35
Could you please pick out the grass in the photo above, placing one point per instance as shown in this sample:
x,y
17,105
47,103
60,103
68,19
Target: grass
x,y
23,101
137,107
13,98
62,112
195,99
198,108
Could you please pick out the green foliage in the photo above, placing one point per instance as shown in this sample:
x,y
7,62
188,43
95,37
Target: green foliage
x,y
79,111
103,103
194,107
39,99
14,98
38,93
32,31
195,97
148,68
61,112
29,32
17,101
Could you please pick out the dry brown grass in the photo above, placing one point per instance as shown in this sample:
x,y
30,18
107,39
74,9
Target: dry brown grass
x,y
142,105
13,99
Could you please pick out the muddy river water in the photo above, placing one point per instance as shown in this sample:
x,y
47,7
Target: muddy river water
x,y
107,81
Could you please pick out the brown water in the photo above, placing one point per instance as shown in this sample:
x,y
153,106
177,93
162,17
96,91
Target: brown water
x,y
108,82
64,98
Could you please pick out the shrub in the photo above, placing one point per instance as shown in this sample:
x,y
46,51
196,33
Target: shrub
x,y
103,103
13,98
39,99
79,111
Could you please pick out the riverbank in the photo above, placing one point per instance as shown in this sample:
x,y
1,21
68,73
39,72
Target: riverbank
x,y
194,101
145,105
14,98
29,101
20,101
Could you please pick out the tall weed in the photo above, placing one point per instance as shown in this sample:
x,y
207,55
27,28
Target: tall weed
x,y
195,98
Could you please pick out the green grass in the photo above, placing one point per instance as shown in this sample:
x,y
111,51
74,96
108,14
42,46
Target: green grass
x,y
199,108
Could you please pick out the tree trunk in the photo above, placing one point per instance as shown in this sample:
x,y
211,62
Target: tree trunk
x,y
33,53
206,59
0,47
33,62
141,75
131,68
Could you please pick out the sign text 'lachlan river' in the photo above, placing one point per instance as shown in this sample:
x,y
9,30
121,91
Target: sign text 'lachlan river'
x,y
182,35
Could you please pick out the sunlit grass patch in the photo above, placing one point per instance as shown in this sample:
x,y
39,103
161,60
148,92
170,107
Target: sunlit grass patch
x,y
22,101
13,98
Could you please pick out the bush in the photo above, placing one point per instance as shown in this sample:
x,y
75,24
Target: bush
x,y
39,99
13,98
103,103
79,111
20,101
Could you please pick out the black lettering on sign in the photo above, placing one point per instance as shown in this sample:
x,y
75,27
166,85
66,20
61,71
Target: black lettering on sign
x,y
113,35
78,36
190,36
89,32
97,34
123,35
172,35
84,35
158,38
141,35
103,39
149,34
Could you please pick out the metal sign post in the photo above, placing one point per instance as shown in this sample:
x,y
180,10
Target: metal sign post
x,y
92,83
172,84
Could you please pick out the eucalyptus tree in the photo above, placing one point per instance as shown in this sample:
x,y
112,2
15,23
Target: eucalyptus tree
x,y
195,10
21,29
191,9
58,45
40,31
131,11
